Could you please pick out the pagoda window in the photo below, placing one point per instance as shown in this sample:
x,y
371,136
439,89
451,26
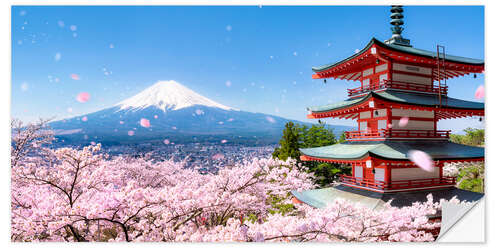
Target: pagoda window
x,y
382,77
381,67
365,115
368,72
358,171
412,69
382,124
363,126
379,174
412,78
380,113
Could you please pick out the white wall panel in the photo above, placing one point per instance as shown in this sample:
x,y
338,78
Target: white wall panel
x,y
358,172
411,68
413,113
399,174
381,68
367,72
412,79
412,124
379,174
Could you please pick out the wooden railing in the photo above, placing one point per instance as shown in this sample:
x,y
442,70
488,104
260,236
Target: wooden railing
x,y
396,133
404,184
347,179
399,85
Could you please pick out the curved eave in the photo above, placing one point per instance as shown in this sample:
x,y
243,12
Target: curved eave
x,y
402,49
391,97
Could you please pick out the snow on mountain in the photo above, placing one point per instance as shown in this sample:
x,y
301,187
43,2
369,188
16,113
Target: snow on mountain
x,y
168,95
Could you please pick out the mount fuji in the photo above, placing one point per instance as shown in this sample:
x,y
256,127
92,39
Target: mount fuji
x,y
170,111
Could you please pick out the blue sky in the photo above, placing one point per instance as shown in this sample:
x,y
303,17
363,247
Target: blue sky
x,y
266,54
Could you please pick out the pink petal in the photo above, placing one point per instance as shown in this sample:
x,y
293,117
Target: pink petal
x,y
121,122
145,123
75,77
130,133
421,159
223,141
83,97
389,125
403,121
166,141
479,92
156,117
84,118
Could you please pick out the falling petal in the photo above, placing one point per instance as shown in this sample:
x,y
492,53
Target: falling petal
x,y
166,141
84,118
57,57
121,122
174,127
156,116
130,133
72,27
83,97
111,46
421,159
479,92
75,77
223,141
60,23
145,123
270,119
92,142
86,137
230,119
389,125
403,121
295,53
356,51
228,83
221,122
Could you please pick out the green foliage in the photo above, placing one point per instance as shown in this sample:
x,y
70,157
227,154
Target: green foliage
x,y
296,136
472,137
472,178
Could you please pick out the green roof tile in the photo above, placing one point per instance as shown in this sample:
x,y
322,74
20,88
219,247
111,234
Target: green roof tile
x,y
395,150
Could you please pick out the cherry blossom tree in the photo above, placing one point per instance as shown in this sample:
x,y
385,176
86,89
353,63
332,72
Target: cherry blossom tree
x,y
70,194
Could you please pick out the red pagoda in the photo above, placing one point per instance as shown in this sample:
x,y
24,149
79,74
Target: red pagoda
x,y
397,81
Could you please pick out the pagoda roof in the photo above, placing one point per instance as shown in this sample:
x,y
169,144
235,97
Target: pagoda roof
x,y
394,150
402,97
404,49
320,198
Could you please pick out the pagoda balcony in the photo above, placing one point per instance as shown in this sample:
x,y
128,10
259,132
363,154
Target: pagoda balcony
x,y
382,186
390,84
396,133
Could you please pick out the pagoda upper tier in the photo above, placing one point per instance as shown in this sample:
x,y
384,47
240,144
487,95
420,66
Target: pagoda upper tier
x,y
352,67
381,66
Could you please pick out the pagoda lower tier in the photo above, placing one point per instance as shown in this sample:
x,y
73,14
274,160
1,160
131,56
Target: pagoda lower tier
x,y
385,167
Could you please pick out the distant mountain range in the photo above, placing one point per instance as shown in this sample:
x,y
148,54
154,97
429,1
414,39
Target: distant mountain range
x,y
171,111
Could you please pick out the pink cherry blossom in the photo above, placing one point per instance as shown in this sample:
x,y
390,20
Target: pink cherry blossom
x,y
403,121
75,77
130,132
83,97
479,92
421,159
145,123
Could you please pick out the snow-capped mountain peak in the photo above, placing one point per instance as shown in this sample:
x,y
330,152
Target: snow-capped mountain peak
x,y
168,95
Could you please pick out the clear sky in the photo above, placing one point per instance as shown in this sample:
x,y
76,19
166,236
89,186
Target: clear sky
x,y
250,58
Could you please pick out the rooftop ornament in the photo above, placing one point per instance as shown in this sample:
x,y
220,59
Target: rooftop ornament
x,y
397,22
